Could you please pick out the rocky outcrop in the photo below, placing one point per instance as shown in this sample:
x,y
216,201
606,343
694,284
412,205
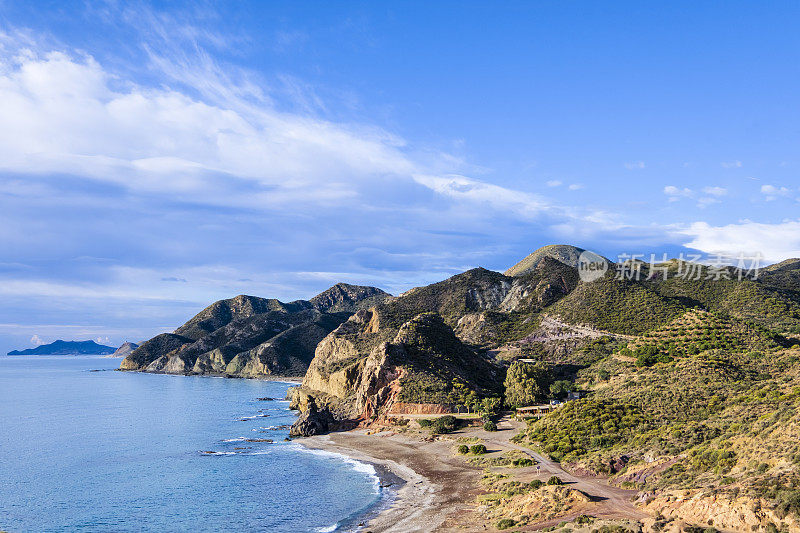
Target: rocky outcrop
x,y
349,298
248,336
313,421
359,376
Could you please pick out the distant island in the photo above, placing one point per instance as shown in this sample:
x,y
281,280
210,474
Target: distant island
x,y
60,347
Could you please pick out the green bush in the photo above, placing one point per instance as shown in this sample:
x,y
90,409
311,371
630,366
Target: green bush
x,y
536,484
445,424
478,449
586,425
463,449
489,426
506,523
425,423
555,480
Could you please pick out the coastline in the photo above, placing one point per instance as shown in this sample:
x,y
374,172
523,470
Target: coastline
x,y
292,380
427,486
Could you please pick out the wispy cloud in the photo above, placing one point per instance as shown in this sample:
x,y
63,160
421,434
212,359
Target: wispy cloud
x,y
771,192
715,191
634,165
731,164
712,196
676,193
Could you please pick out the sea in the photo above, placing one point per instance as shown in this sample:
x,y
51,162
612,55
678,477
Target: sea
x,y
86,448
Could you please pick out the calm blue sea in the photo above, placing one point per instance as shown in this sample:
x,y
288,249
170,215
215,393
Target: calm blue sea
x,y
120,451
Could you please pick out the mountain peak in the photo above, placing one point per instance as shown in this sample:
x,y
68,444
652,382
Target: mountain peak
x,y
564,253
346,297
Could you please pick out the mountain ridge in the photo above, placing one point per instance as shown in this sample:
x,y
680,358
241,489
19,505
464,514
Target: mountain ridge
x,y
250,336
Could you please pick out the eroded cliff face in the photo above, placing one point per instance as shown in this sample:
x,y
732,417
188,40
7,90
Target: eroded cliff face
x,y
359,376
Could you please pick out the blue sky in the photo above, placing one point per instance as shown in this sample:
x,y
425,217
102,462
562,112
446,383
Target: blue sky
x,y
156,157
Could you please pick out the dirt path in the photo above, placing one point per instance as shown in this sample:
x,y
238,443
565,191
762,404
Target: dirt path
x,y
614,501
436,490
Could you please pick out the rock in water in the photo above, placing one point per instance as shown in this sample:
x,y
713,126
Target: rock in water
x,y
312,422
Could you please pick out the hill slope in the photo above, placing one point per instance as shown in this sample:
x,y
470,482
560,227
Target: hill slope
x,y
249,336
561,252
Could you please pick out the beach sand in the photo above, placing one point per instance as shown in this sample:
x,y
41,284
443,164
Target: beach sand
x,y
430,488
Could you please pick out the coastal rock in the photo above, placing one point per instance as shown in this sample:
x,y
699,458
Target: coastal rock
x,y
415,370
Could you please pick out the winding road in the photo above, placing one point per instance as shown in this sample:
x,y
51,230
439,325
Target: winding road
x,y
613,501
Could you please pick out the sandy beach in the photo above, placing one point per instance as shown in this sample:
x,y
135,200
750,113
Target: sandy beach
x,y
427,484
432,489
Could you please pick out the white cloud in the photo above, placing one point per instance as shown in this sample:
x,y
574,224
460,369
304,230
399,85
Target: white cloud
x,y
575,187
715,191
775,242
554,183
103,340
66,114
634,165
674,193
731,164
706,201
36,340
470,190
772,192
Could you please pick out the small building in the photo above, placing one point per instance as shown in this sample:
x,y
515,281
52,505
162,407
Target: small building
x,y
537,411
575,395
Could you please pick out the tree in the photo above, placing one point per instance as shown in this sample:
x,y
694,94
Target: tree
x,y
525,383
560,388
490,405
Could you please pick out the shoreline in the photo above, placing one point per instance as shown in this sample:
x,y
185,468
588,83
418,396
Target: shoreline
x,y
293,380
408,491
426,486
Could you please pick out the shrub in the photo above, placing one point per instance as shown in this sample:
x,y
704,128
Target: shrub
x,y
536,484
506,523
425,423
478,449
444,424
489,426
555,480
463,449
